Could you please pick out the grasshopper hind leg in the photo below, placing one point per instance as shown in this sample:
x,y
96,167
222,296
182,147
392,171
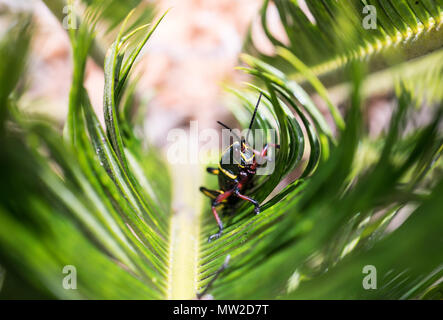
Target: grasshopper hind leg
x,y
220,224
219,198
214,195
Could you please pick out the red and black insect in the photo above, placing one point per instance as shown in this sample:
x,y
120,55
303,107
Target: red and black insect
x,y
235,172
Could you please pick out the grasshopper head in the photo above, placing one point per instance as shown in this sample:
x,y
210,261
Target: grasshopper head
x,y
247,153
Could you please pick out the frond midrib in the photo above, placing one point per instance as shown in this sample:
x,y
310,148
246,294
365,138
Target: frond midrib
x,y
184,240
412,45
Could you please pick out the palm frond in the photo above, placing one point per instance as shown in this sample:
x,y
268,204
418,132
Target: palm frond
x,y
91,201
405,30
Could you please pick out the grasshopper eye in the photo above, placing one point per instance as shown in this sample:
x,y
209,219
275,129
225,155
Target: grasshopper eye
x,y
243,144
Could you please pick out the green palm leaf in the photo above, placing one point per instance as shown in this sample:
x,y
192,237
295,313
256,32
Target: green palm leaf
x,y
337,35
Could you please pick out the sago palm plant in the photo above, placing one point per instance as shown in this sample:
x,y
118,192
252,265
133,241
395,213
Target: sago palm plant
x,y
99,200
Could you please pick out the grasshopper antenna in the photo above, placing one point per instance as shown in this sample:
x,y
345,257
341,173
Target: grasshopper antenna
x,y
253,115
225,126
223,267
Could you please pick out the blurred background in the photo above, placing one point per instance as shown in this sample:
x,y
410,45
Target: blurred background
x,y
187,59
190,57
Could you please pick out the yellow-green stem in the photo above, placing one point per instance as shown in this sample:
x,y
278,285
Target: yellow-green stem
x,y
185,231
